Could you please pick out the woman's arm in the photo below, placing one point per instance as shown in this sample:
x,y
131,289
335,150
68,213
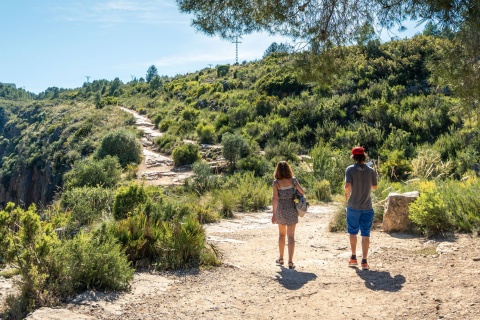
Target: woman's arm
x,y
274,202
299,187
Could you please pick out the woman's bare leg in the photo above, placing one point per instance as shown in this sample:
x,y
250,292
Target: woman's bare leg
x,y
291,241
282,232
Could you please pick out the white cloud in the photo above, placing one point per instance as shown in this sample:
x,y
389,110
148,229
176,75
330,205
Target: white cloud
x,y
121,11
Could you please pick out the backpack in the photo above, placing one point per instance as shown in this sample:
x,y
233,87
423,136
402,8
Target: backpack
x,y
302,204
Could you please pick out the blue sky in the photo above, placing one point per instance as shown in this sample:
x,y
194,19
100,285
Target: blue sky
x,y
58,43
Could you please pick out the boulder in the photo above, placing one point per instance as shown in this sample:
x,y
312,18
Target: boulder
x,y
395,216
56,314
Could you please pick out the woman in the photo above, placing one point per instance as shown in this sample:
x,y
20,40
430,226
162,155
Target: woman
x,y
284,212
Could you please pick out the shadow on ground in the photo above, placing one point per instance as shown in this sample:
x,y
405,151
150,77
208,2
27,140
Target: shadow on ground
x,y
381,280
294,280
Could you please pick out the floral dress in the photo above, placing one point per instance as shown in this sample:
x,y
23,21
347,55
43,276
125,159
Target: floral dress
x,y
286,211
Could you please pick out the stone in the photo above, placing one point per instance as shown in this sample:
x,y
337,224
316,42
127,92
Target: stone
x,y
56,314
395,216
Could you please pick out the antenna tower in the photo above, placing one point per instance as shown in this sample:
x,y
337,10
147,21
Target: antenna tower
x,y
236,49
88,78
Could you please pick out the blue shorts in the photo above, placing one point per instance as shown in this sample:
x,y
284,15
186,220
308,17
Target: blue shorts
x,y
359,219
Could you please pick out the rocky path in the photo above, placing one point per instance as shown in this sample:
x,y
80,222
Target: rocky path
x,y
156,168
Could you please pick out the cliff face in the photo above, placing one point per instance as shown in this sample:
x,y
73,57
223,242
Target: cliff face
x,y
34,185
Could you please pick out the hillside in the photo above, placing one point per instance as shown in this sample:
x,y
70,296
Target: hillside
x,y
77,211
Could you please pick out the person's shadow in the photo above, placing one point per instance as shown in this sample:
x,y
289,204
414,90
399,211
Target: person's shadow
x,y
294,280
381,280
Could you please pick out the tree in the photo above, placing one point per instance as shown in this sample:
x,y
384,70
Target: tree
x,y
152,72
233,145
336,21
278,48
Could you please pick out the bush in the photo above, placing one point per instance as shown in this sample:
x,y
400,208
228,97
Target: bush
x,y
122,144
330,164
91,262
166,142
429,212
92,173
227,202
185,154
429,165
206,133
322,190
251,193
396,167
87,204
203,180
127,199
167,245
338,223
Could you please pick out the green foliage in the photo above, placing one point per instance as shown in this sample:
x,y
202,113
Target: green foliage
x,y
167,142
185,154
203,180
127,199
429,165
251,194
92,173
52,270
338,223
430,213
329,164
166,244
396,167
91,262
322,190
87,204
206,133
227,200
123,145
222,70
233,146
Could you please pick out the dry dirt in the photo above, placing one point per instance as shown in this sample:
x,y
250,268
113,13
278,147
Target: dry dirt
x,y
411,277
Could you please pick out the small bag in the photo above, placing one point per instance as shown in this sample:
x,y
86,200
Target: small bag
x,y
301,203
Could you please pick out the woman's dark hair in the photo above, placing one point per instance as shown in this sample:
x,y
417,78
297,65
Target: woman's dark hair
x,y
359,157
283,171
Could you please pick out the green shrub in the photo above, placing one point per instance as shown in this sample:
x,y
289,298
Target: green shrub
x,y
330,164
396,167
233,146
185,154
322,190
202,180
227,200
430,213
206,133
91,262
166,142
463,203
127,199
87,204
166,245
429,165
259,165
252,193
92,173
338,222
122,144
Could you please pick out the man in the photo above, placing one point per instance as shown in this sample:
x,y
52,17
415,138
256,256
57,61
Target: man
x,y
359,180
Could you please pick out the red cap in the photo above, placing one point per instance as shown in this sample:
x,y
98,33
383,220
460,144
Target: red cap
x,y
358,150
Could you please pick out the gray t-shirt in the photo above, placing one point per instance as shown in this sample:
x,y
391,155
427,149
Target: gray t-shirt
x,y
362,178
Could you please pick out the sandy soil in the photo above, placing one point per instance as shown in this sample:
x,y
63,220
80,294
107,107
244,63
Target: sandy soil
x,y
411,277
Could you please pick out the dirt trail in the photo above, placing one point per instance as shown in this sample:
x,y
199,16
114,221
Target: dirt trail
x,y
156,168
410,278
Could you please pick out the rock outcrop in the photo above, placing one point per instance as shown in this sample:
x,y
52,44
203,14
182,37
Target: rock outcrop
x,y
395,216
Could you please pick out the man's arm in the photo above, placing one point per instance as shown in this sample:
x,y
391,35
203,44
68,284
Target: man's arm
x,y
348,189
